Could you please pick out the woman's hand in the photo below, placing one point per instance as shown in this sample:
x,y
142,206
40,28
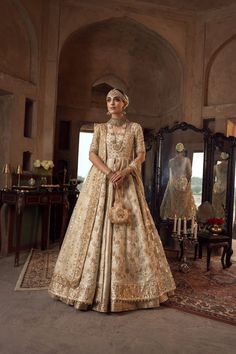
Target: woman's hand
x,y
119,183
116,176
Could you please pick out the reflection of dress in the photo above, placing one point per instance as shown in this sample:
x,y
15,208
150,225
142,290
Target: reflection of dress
x,y
178,199
219,189
112,267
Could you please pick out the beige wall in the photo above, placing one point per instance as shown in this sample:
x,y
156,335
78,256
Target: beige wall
x,y
177,65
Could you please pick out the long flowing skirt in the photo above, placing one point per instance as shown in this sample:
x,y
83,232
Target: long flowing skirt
x,y
179,203
111,267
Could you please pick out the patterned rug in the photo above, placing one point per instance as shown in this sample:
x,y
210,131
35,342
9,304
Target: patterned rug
x,y
211,294
37,271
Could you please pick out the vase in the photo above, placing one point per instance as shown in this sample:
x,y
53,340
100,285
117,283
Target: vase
x,y
43,176
215,229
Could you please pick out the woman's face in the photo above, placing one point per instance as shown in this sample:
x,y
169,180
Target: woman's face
x,y
115,105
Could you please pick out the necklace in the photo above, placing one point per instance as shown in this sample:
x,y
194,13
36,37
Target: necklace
x,y
118,122
118,144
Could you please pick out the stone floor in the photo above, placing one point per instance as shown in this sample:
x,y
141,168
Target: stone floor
x,y
32,323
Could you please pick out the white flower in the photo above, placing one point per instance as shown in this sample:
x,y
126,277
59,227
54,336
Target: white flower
x,y
45,164
50,163
37,163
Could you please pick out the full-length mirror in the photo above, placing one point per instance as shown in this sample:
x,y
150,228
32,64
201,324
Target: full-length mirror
x,y
181,171
180,175
222,179
219,189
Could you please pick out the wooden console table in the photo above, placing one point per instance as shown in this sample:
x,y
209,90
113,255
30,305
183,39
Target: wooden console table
x,y
215,241
19,199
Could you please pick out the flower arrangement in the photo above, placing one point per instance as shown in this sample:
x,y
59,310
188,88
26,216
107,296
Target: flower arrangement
x,y
45,164
215,221
43,168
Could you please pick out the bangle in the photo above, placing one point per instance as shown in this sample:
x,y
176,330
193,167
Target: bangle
x,y
109,173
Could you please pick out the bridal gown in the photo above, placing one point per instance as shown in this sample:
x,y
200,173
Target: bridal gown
x,y
178,198
112,267
219,189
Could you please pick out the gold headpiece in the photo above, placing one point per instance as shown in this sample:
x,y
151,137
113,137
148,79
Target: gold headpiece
x,y
179,147
116,92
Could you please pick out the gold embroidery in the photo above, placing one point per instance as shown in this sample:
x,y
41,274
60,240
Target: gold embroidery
x,y
112,267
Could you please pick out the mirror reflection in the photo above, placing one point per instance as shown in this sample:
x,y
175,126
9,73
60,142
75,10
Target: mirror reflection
x,y
178,198
220,183
182,173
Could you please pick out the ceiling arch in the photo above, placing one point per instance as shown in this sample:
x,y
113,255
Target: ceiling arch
x,y
146,63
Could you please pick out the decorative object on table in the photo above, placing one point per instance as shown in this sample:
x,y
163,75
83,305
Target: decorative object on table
x,y
19,173
50,187
205,211
7,172
73,182
215,225
64,176
43,168
186,237
32,182
22,188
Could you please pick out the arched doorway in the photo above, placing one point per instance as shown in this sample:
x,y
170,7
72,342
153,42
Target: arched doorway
x,y
118,52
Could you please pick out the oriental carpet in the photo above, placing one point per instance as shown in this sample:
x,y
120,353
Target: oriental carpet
x,y
210,294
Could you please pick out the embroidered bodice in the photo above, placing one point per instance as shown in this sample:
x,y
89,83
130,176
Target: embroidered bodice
x,y
121,145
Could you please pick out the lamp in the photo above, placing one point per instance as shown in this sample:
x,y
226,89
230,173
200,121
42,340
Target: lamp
x,y
6,171
19,173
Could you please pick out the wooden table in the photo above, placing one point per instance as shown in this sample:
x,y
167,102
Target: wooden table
x,y
215,241
19,199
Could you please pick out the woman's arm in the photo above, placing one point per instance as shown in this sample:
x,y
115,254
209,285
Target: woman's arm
x,y
96,161
118,176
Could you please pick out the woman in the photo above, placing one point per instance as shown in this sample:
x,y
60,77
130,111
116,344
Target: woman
x,y
178,199
107,266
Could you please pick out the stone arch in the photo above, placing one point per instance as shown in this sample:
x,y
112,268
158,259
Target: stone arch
x,y
216,73
19,43
32,38
163,78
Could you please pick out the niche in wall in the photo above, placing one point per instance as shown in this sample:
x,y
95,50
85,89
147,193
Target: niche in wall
x,y
26,161
64,134
28,122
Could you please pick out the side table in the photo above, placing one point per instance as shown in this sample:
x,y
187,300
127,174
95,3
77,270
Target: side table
x,y
212,241
19,199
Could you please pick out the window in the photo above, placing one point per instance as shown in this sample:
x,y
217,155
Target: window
x,y
84,164
197,175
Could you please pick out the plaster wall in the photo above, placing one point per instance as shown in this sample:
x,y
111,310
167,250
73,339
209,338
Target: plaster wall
x,y
186,74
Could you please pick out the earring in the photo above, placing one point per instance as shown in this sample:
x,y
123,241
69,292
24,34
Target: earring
x,y
124,113
108,113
